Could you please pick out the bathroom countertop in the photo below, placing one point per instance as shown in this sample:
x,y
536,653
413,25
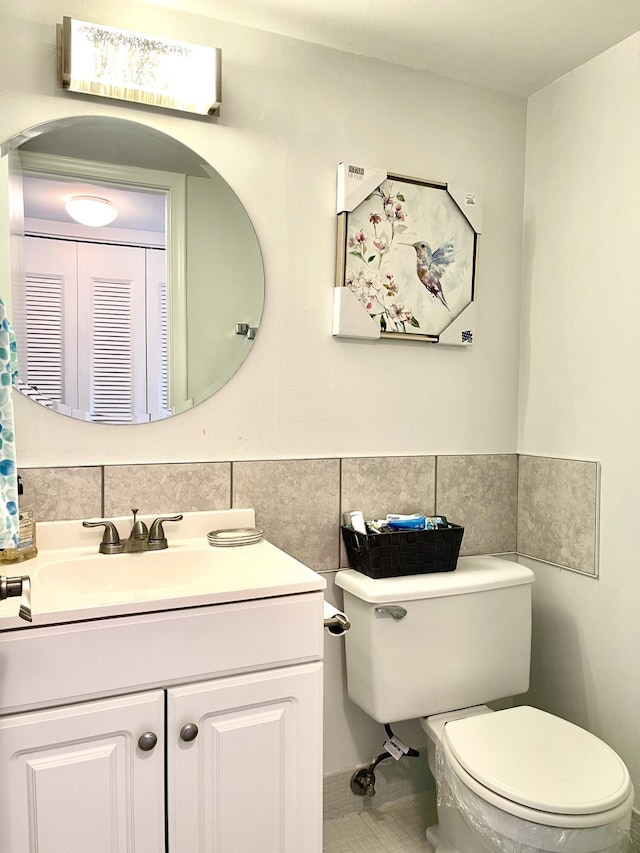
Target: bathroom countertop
x,y
71,581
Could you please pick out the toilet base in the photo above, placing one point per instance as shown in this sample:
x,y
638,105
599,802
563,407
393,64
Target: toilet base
x,y
434,838
453,834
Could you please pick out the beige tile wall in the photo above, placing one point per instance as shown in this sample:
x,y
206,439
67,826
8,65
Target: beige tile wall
x,y
297,504
545,508
60,493
558,509
170,488
480,492
378,485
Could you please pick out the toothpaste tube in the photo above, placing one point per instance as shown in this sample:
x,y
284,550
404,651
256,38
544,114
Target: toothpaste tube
x,y
407,522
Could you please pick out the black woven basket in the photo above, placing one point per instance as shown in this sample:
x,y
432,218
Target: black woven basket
x,y
403,552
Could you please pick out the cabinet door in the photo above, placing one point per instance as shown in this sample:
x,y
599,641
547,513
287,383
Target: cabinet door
x,y
251,780
74,779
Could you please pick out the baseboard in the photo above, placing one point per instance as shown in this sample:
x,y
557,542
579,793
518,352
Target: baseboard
x,y
394,780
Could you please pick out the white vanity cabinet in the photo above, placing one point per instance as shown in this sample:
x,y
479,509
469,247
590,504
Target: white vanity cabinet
x,y
245,678
250,780
73,779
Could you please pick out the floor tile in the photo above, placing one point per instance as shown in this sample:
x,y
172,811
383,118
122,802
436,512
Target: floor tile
x,y
397,827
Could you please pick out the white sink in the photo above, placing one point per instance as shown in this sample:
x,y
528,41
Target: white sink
x,y
170,570
71,581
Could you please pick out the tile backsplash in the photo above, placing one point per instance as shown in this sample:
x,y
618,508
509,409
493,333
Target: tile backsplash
x,y
297,504
378,485
57,494
506,503
166,488
480,493
558,509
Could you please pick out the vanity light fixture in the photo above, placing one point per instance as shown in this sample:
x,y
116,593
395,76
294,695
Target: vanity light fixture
x,y
90,210
130,66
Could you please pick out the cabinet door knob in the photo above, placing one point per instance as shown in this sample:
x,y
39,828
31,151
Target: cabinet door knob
x,y
189,732
147,741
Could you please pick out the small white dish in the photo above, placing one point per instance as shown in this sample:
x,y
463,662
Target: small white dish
x,y
233,537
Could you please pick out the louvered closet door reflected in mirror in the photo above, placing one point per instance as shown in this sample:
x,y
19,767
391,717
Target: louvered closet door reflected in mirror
x,y
89,308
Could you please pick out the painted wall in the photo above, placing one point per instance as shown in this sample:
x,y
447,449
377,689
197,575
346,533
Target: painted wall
x,y
292,111
578,391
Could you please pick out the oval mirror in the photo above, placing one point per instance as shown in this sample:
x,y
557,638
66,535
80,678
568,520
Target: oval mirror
x,y
146,310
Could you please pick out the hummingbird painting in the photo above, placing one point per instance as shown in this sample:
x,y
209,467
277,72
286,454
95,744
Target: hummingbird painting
x,y
431,266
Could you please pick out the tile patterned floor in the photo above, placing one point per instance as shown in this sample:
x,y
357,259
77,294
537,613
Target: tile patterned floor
x,y
397,827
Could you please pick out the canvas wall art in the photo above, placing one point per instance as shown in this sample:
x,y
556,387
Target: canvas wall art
x,y
407,252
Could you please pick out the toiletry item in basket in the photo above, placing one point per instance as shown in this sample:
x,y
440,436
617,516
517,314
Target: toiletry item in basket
x,y
416,522
377,525
356,520
406,522
435,522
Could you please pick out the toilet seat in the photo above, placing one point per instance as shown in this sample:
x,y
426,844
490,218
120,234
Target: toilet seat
x,y
538,767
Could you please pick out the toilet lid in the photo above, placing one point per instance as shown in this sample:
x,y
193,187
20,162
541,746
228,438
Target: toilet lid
x,y
537,760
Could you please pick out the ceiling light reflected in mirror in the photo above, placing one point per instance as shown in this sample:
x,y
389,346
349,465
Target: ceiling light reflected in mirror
x,y
91,210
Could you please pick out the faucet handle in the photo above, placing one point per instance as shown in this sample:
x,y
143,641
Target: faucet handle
x,y
111,543
157,538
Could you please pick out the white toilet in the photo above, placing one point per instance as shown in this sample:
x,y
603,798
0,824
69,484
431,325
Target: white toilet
x,y
438,646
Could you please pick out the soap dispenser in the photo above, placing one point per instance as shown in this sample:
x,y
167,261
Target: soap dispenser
x,y
26,547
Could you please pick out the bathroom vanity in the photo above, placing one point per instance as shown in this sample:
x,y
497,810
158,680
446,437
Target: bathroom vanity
x,y
186,716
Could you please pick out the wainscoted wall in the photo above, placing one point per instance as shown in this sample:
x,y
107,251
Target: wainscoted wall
x,y
558,512
503,501
544,508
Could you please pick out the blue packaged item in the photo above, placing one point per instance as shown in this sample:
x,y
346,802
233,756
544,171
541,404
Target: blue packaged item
x,y
407,522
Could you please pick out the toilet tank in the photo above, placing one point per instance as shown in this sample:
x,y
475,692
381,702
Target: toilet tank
x,y
458,638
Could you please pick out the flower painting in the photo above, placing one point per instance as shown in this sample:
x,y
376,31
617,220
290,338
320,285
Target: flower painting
x,y
408,254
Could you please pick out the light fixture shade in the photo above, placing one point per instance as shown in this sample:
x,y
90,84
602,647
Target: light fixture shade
x,y
91,210
129,66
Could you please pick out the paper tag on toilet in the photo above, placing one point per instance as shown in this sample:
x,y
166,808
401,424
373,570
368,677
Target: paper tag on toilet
x,y
395,748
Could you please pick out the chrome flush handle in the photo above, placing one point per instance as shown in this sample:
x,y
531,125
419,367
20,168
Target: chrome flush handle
x,y
392,611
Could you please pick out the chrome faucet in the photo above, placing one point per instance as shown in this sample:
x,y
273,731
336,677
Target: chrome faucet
x,y
140,537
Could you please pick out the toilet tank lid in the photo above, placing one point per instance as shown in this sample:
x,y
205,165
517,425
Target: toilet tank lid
x,y
472,574
538,760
